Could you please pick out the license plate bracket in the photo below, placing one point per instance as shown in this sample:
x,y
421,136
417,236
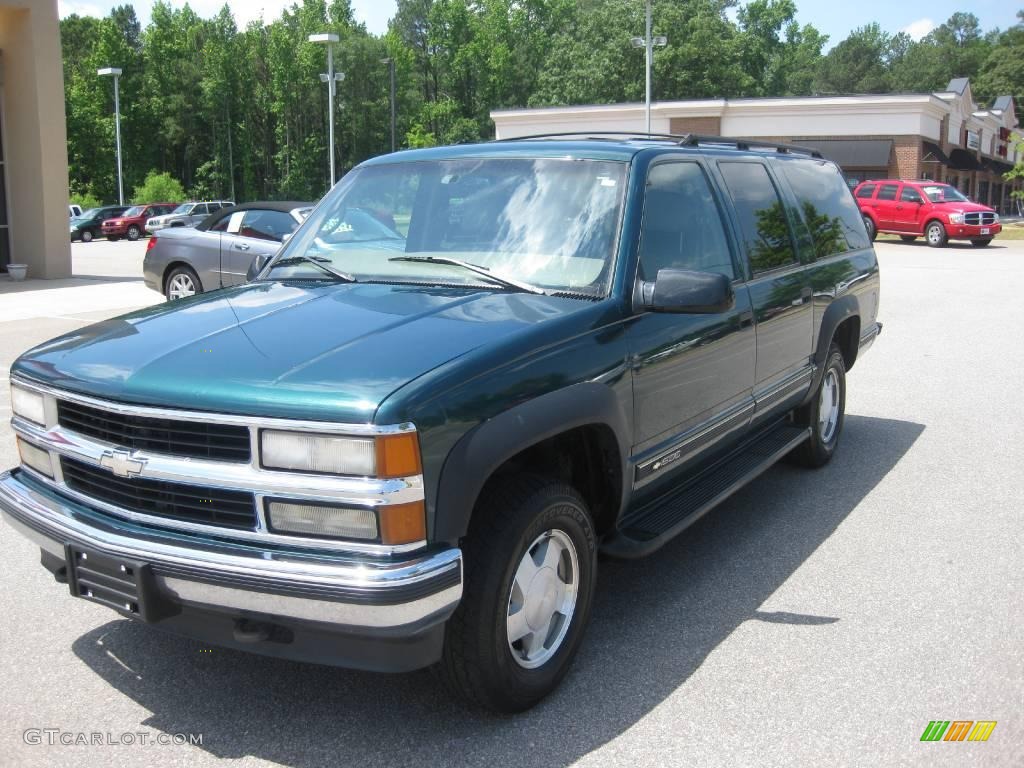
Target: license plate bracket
x,y
128,586
984,230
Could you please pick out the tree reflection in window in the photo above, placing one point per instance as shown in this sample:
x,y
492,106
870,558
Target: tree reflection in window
x,y
761,214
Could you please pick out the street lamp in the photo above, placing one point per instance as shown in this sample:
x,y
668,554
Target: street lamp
x,y
116,73
648,43
391,69
332,79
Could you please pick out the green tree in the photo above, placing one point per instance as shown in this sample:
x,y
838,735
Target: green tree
x,y
1002,74
860,63
159,188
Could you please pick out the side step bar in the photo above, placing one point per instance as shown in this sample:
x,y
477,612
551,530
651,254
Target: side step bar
x,y
655,524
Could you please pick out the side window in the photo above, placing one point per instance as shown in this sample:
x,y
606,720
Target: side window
x,y
200,210
910,195
267,225
866,191
762,216
682,226
222,225
214,207
888,192
826,207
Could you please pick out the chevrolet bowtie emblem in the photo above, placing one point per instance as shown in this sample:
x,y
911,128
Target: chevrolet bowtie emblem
x,y
122,464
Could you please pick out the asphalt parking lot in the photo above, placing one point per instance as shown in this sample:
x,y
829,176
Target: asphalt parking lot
x,y
817,618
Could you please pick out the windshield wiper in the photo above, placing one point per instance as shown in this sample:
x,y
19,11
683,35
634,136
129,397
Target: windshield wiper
x,y
316,262
484,271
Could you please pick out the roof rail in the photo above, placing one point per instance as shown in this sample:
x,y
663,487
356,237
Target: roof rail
x,y
695,140
683,140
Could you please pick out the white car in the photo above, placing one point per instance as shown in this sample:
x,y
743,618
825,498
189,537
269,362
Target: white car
x,y
186,215
74,210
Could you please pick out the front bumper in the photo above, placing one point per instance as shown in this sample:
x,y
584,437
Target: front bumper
x,y
119,231
382,614
155,226
974,231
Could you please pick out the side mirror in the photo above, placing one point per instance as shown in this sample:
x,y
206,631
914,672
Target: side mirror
x,y
257,265
685,292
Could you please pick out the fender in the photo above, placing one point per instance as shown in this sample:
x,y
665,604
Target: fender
x,y
839,310
483,449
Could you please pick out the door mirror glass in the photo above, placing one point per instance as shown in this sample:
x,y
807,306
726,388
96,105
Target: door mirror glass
x,y
686,292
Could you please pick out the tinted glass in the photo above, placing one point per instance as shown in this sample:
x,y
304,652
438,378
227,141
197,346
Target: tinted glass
x,y
887,192
682,227
866,191
267,225
222,225
910,195
761,214
826,207
550,222
132,212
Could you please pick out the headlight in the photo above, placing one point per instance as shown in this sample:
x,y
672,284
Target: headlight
x,y
956,218
384,456
35,457
28,405
996,219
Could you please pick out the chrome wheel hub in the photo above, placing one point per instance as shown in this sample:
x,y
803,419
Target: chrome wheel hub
x,y
934,234
828,406
180,287
542,599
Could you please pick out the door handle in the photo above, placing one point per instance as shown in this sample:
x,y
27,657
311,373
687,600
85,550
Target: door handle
x,y
241,247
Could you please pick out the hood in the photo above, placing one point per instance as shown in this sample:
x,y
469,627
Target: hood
x,y
321,352
953,206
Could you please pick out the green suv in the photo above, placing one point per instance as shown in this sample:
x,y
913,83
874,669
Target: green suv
x,y
405,441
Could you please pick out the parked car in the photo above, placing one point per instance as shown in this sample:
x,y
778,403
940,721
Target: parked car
x,y
132,223
218,252
912,209
89,224
471,369
74,210
186,215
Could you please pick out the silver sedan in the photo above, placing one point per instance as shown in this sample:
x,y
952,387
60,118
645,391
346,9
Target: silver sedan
x,y
218,252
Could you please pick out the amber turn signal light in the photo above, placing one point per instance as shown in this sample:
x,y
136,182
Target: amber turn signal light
x,y
403,523
398,455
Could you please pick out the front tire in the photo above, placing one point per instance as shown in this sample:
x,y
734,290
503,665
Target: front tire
x,y
134,233
981,243
935,234
869,225
86,236
825,414
182,282
530,570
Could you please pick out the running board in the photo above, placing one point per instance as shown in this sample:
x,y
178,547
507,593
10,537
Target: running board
x,y
656,523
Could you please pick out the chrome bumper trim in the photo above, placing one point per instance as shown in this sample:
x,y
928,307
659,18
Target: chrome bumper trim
x,y
342,590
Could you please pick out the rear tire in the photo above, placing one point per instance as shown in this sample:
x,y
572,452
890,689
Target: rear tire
x,y
936,235
182,282
981,243
825,414
908,238
134,233
86,236
530,570
869,225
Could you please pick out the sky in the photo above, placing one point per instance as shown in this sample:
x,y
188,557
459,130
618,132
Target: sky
x,y
916,17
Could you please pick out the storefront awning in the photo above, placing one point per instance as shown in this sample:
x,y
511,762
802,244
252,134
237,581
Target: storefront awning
x,y
996,166
962,160
853,153
933,154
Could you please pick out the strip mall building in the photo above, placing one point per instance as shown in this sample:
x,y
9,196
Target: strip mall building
x,y
941,136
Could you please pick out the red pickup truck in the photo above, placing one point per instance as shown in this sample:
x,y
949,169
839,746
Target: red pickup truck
x,y
912,209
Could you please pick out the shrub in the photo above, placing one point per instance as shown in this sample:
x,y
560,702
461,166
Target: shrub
x,y
159,188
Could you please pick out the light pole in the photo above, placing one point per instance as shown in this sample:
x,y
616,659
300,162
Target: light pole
x,y
332,79
391,70
116,72
648,43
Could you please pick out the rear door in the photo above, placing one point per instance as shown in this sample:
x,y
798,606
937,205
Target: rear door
x,y
885,204
780,286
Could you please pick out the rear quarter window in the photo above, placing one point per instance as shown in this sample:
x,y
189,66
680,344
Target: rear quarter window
x,y
826,206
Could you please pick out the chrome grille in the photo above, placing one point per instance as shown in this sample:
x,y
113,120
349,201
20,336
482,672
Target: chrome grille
x,y
194,439
190,503
980,218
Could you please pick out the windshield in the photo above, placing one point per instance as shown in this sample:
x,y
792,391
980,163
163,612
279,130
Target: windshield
x,y
92,213
183,208
136,211
943,193
551,223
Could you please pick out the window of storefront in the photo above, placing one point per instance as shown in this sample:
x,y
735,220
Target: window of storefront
x,y
983,192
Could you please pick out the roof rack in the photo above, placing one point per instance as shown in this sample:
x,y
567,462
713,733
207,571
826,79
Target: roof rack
x,y
682,140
